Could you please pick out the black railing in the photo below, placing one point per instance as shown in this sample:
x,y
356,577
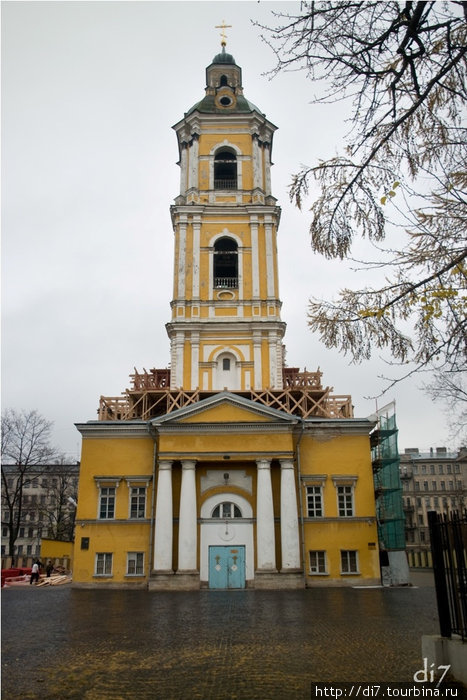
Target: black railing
x,y
449,551
226,282
225,184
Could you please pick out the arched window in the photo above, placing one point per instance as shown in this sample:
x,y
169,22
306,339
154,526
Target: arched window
x,y
225,170
226,510
225,263
223,80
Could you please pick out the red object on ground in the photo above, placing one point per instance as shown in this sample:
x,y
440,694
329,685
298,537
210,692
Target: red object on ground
x,y
10,573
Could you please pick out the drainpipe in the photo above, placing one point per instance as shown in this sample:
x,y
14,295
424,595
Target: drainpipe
x,y
153,523
300,499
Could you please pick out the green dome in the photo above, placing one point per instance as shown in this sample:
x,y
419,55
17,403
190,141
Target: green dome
x,y
223,57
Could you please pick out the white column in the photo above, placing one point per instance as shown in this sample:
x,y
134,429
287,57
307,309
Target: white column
x,y
290,540
163,535
187,529
265,541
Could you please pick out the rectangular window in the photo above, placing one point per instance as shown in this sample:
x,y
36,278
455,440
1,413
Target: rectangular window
x,y
417,486
135,564
436,502
85,543
425,485
443,486
137,502
318,562
433,484
441,469
432,468
314,501
345,501
107,502
449,469
349,561
104,564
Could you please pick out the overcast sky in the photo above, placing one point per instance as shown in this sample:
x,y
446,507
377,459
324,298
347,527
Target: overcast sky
x,y
90,91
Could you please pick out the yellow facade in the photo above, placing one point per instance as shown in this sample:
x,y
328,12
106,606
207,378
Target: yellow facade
x,y
224,490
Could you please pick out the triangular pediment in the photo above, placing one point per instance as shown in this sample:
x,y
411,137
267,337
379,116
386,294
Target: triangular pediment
x,y
225,407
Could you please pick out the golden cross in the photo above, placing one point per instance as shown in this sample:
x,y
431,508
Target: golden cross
x,y
223,26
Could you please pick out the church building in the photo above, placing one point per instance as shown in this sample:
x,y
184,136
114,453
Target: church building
x,y
229,470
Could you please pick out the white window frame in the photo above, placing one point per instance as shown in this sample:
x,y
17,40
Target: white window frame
x,y
222,511
107,483
318,562
314,493
135,557
343,482
346,560
137,496
107,496
106,558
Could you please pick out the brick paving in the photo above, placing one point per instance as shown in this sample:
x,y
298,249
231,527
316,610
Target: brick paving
x,y
208,645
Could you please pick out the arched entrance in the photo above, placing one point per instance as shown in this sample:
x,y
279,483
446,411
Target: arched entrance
x,y
226,542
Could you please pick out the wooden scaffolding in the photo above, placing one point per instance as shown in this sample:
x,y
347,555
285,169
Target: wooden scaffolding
x,y
150,395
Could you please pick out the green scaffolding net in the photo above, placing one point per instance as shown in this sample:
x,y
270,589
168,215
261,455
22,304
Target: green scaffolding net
x,y
388,486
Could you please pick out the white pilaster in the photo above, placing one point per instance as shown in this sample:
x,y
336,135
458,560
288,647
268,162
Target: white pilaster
x,y
176,374
269,262
272,341
265,540
267,167
183,168
257,361
257,170
187,534
163,535
181,268
195,382
193,167
254,258
290,540
196,257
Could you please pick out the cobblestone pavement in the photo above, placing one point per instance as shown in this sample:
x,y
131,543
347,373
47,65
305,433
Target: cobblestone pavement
x,y
219,645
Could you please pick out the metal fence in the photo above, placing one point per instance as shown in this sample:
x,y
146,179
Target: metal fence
x,y
449,550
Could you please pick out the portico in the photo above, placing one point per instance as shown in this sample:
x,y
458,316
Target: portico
x,y
226,499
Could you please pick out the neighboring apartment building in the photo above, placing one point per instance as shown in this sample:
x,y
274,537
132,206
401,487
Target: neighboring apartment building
x,y
434,480
46,510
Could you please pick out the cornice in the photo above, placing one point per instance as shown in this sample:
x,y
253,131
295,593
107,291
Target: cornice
x,y
216,428
114,429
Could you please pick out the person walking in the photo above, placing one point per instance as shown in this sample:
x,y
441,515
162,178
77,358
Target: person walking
x,y
35,573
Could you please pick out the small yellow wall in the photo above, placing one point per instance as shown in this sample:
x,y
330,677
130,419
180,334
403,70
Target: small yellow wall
x,y
122,458
343,455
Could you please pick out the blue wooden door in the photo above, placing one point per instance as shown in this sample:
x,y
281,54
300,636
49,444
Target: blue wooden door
x,y
227,567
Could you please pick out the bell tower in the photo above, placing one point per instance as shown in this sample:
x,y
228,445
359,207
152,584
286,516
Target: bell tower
x,y
225,331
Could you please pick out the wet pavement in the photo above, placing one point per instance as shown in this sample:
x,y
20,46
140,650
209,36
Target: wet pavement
x,y
245,645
